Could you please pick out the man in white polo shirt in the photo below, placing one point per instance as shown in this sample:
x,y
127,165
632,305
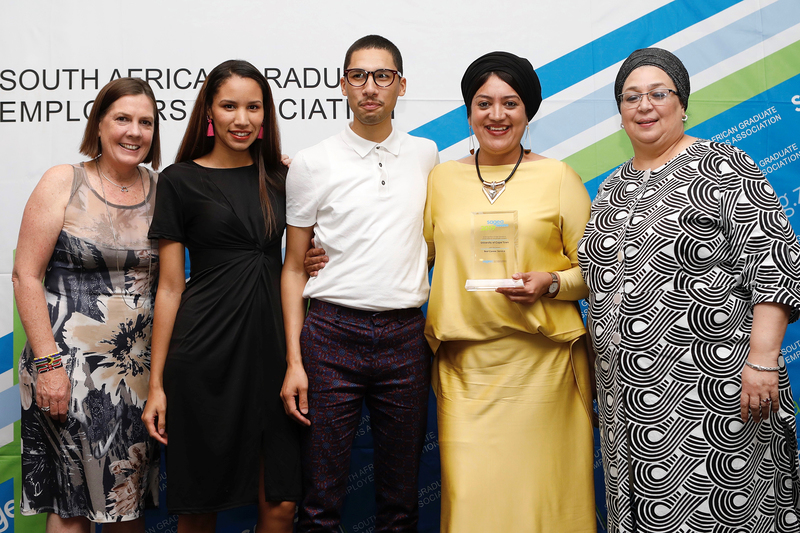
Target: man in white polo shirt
x,y
361,195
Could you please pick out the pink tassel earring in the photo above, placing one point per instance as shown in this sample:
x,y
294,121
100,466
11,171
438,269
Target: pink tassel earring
x,y
210,132
261,132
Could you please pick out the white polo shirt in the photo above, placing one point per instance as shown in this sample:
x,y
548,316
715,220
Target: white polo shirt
x,y
366,202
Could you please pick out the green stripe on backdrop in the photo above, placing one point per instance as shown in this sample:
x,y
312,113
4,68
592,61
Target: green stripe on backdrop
x,y
10,463
704,104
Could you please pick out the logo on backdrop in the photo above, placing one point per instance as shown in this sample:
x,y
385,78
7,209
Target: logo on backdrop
x,y
7,502
18,85
749,126
781,158
791,352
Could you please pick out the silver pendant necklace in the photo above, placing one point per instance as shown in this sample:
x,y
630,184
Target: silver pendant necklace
x,y
122,188
493,189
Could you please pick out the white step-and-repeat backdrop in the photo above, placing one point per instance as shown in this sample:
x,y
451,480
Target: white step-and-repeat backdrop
x,y
743,57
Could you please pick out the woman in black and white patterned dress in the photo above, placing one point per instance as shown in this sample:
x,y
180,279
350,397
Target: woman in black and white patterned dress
x,y
693,274
84,280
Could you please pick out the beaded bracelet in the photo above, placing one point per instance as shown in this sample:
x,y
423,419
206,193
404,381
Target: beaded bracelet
x,y
48,362
762,368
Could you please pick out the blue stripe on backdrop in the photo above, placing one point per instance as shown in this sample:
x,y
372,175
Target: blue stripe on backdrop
x,y
589,59
9,398
6,352
698,56
613,47
445,130
9,406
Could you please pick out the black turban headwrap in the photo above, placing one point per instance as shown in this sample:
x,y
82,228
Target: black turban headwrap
x,y
662,59
525,80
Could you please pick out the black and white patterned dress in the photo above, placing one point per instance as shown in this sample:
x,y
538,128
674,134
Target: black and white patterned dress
x,y
675,258
100,287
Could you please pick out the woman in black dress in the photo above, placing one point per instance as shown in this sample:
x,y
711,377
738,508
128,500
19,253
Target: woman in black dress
x,y
218,347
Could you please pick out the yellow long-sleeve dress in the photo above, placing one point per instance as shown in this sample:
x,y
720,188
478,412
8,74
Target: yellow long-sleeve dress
x,y
511,380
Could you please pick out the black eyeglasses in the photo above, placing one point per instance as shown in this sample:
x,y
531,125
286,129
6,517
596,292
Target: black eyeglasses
x,y
357,77
656,97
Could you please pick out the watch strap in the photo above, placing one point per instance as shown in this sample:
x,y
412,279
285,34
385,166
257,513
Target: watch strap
x,y
552,290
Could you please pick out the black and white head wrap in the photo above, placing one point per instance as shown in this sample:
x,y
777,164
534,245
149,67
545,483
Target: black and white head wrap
x,y
523,79
662,59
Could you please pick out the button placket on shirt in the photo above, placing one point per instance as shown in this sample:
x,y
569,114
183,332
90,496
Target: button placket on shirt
x,y
616,337
383,176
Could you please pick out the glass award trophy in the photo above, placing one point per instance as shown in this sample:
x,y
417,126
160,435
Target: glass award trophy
x,y
494,251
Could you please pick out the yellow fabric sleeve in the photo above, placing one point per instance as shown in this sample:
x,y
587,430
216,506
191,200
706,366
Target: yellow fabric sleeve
x,y
574,208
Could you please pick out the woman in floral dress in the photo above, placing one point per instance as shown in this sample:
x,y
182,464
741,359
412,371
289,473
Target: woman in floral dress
x,y
86,455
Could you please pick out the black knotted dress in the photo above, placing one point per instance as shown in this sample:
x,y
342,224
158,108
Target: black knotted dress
x,y
226,359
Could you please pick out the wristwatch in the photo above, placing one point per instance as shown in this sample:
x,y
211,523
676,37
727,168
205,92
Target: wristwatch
x,y
552,290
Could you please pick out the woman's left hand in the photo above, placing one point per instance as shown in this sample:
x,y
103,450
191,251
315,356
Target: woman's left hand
x,y
536,285
758,386
769,327
53,391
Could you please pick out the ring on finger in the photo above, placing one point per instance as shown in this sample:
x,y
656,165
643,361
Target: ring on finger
x,y
766,400
45,409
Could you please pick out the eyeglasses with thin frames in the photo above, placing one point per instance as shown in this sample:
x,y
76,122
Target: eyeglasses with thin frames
x,y
656,96
357,77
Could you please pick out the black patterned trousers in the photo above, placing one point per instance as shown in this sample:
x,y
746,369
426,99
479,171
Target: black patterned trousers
x,y
382,359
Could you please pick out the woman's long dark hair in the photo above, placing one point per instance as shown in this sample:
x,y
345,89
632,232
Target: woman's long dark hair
x,y
266,152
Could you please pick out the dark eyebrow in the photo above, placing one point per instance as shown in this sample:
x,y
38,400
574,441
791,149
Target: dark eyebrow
x,y
128,115
649,87
510,96
226,101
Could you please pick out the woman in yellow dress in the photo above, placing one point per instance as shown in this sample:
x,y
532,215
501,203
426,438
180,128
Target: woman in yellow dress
x,y
511,373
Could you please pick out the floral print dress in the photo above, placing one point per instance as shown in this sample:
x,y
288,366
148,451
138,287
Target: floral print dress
x,y
100,287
